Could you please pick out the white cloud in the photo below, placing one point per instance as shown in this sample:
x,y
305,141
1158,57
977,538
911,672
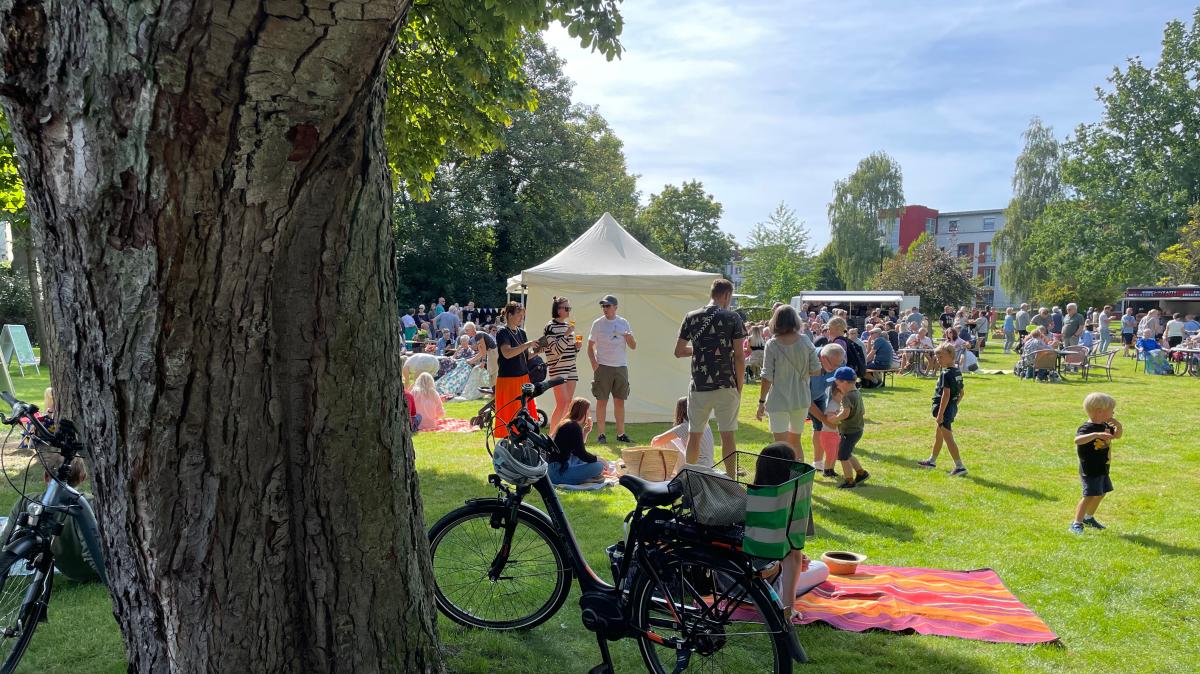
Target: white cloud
x,y
768,101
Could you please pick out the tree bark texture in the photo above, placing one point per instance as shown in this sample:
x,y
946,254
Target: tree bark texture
x,y
209,185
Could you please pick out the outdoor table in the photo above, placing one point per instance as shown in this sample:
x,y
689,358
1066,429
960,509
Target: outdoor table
x,y
1058,361
1189,364
918,364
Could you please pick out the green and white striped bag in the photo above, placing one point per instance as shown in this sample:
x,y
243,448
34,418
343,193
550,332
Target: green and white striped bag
x,y
777,516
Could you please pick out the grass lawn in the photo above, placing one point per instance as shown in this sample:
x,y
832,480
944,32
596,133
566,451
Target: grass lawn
x,y
1122,600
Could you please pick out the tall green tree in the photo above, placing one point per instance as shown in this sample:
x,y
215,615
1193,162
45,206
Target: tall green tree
x,y
214,195
824,274
1130,179
875,188
930,272
556,169
777,258
1036,184
683,224
1181,262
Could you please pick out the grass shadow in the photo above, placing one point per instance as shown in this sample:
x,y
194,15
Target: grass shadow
x,y
893,495
893,459
1012,489
1165,548
865,523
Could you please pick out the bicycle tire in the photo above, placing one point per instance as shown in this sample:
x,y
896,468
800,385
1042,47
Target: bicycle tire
x,y
1181,365
23,601
456,559
713,643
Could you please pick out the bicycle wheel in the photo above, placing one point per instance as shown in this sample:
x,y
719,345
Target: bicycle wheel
x,y
1181,363
726,622
531,587
24,596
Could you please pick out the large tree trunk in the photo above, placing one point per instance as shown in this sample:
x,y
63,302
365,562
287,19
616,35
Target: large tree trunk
x,y
209,183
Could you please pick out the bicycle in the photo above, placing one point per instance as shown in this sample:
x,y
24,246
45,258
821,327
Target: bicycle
x,y
681,589
27,557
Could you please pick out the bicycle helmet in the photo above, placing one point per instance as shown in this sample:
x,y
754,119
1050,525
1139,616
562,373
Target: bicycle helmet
x,y
519,464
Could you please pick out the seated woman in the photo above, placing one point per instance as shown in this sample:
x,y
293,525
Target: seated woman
x,y
798,574
573,464
677,436
454,382
1151,350
428,402
961,346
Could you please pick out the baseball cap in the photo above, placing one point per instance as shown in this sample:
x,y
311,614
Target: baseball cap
x,y
843,373
609,299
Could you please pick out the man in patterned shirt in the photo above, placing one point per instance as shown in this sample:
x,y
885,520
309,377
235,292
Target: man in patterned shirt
x,y
712,337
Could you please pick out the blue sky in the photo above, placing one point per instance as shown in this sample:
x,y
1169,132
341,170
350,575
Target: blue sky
x,y
773,101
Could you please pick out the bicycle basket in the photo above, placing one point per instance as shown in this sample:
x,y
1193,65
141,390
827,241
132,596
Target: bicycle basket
x,y
776,518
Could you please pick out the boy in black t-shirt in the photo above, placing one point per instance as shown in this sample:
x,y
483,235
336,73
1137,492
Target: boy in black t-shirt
x,y
1093,443
945,408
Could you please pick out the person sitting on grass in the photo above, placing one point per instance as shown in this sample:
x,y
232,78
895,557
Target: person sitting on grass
x,y
72,555
946,396
428,402
1093,444
573,464
799,574
850,426
677,436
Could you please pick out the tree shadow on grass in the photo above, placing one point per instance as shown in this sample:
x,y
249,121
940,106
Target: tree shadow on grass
x,y
893,495
1013,489
862,522
893,459
831,650
1165,548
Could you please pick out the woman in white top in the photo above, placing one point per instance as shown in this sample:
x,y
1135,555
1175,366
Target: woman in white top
x,y
677,437
789,360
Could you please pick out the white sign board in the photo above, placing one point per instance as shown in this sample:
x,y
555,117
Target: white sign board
x,y
14,342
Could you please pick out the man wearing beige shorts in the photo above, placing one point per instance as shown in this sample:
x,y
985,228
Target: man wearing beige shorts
x,y
610,337
712,337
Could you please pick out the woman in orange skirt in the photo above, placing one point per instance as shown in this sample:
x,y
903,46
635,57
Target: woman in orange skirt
x,y
513,347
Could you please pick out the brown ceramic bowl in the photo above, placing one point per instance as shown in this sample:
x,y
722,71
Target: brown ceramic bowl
x,y
842,562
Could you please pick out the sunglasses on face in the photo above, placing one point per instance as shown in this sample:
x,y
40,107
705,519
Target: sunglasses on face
x,y
605,306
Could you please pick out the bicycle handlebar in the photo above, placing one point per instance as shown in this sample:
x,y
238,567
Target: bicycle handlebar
x,y
535,390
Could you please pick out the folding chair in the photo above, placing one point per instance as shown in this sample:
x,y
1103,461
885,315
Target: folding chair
x,y
1093,363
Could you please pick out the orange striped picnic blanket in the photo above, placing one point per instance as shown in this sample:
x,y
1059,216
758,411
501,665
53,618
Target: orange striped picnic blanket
x,y
964,604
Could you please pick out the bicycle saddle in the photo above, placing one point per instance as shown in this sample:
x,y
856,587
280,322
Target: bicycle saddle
x,y
650,493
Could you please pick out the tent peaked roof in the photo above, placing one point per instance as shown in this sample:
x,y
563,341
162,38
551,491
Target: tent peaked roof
x,y
605,251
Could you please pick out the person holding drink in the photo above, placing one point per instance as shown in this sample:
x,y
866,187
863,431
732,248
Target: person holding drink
x,y
562,346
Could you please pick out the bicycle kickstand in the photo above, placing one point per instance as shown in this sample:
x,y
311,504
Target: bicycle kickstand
x,y
605,667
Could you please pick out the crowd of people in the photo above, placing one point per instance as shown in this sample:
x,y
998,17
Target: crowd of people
x,y
812,365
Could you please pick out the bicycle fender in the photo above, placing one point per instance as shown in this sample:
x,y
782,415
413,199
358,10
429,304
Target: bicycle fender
x,y
21,547
532,511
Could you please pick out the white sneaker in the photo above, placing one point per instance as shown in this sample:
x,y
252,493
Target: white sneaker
x,y
819,465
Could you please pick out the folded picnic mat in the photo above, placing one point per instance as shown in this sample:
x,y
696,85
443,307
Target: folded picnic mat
x,y
965,604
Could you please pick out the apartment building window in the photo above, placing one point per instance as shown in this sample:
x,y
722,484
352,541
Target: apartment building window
x,y
989,224
931,226
989,277
963,250
953,226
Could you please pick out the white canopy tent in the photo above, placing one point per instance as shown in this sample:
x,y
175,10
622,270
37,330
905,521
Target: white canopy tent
x,y
653,296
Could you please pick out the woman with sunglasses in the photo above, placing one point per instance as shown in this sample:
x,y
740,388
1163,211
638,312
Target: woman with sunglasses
x,y
561,349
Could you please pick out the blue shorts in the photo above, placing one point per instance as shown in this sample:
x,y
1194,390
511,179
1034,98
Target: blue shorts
x,y
948,417
817,425
846,445
1096,485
